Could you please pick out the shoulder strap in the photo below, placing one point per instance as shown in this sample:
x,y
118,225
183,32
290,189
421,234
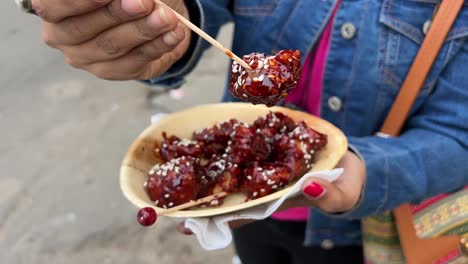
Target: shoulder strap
x,y
435,37
421,250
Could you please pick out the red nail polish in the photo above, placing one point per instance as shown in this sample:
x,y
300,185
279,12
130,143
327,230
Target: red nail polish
x,y
314,190
187,231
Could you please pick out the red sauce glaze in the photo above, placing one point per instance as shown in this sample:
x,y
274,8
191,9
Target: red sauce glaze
x,y
173,183
271,77
246,145
232,156
174,147
215,139
264,179
217,175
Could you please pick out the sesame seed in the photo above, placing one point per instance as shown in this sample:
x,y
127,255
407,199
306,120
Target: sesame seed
x,y
262,190
249,177
254,194
156,202
187,163
166,195
274,187
214,202
260,64
171,204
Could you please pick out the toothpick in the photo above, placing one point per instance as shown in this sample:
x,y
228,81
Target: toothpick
x,y
207,37
190,204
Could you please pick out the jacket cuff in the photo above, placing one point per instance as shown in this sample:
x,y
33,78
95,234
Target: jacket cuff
x,y
174,77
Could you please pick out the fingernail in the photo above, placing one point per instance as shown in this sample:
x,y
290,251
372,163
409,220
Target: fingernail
x,y
171,38
184,230
187,231
314,190
158,19
133,7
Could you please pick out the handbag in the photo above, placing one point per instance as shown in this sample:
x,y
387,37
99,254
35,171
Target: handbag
x,y
435,231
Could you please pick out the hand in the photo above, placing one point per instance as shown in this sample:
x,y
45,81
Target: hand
x,y
116,39
339,196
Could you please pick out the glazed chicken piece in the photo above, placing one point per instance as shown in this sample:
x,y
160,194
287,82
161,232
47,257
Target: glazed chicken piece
x,y
271,77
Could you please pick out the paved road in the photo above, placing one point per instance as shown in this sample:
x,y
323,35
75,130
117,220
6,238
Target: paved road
x,y
63,135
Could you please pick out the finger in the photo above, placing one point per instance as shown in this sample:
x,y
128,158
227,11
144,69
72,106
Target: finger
x,y
56,10
182,229
79,29
325,195
145,62
118,41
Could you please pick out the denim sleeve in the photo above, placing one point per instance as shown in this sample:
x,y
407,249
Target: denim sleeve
x,y
431,155
209,15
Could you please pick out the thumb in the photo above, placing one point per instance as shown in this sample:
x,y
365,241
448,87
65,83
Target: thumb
x,y
324,195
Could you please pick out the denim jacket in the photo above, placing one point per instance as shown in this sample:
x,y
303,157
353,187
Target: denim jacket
x,y
373,44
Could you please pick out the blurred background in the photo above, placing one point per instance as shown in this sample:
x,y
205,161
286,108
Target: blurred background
x,y
63,136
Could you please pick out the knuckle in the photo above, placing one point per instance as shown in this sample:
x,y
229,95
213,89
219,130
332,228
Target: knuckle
x,y
75,32
108,45
43,13
142,55
143,32
47,38
73,62
97,3
104,74
111,11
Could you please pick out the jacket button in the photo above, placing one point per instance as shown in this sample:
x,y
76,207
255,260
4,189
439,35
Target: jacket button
x,y
426,26
464,246
335,103
348,30
327,244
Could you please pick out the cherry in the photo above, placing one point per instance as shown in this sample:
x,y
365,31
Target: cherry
x,y
147,216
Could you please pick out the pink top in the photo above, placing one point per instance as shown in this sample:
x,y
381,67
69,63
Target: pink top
x,y
307,95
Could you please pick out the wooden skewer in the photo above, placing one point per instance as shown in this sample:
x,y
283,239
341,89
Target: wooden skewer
x,y
207,37
193,203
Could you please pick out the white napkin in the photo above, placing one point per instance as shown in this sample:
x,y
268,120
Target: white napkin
x,y
214,232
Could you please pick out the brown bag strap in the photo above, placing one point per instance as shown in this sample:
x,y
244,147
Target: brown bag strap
x,y
421,250
435,37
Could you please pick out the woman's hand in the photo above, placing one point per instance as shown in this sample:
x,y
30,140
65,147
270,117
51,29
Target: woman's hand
x,y
115,39
339,196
